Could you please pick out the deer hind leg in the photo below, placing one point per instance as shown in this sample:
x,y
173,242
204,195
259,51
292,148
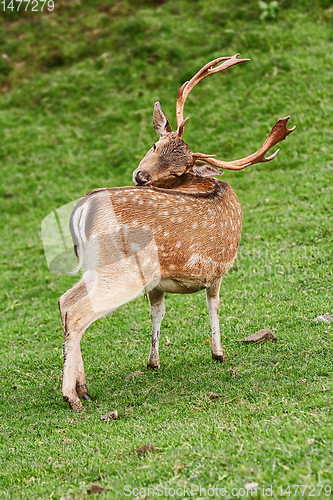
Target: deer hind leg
x,y
70,298
157,311
213,304
77,318
109,288
66,301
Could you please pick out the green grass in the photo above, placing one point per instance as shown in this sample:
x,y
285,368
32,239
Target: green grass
x,y
78,88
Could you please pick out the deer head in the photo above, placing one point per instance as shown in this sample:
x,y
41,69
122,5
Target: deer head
x,y
170,157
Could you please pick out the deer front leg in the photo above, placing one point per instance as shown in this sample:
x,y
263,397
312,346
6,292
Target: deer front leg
x,y
213,304
157,311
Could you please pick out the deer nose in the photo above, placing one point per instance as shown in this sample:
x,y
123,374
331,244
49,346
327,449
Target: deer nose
x,y
142,177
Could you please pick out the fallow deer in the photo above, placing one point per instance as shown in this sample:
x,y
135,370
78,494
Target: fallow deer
x,y
176,231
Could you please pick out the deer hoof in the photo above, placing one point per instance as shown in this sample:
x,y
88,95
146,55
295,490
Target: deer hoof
x,y
76,405
221,357
153,365
74,402
86,397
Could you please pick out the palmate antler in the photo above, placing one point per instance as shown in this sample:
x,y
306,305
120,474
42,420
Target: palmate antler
x,y
278,133
186,88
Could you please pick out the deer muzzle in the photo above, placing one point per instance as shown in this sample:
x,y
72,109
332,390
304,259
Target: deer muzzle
x,y
141,177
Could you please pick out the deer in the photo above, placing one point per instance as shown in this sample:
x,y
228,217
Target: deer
x,y
177,230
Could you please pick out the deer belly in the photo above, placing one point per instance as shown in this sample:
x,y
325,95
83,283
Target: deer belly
x,y
182,285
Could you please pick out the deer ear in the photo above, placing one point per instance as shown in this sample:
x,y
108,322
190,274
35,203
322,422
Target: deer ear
x,y
160,121
203,170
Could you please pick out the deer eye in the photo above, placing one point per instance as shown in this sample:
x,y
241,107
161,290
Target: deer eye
x,y
154,148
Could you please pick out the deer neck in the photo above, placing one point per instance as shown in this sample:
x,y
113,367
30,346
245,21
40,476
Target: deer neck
x,y
191,184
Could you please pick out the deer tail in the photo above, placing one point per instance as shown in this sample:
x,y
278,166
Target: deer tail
x,y
76,226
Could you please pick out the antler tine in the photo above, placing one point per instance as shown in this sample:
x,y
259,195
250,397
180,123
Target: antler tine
x,y
278,133
186,88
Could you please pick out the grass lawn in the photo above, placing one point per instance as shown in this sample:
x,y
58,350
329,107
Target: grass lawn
x,y
77,92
